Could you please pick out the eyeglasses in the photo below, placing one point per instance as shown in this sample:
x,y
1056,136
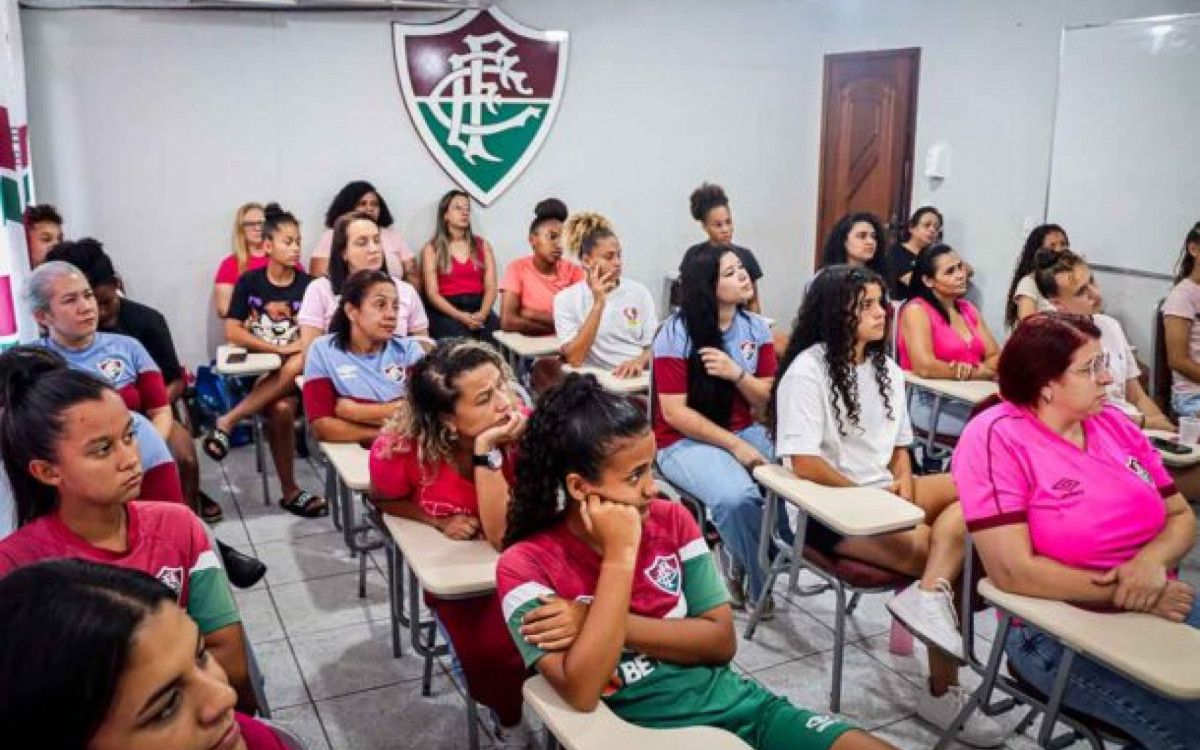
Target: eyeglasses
x,y
254,224
1095,368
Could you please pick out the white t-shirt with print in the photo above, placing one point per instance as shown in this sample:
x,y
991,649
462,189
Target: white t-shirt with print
x,y
1121,362
807,426
627,324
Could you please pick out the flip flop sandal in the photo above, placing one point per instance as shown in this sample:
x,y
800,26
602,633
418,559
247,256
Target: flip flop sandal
x,y
216,444
210,510
306,505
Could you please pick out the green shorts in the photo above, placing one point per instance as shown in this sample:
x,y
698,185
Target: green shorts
x,y
676,696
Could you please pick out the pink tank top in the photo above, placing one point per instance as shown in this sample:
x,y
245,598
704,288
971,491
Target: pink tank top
x,y
948,345
465,277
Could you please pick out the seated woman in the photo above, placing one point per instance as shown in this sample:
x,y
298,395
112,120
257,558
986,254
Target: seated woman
x,y
356,376
1181,327
459,274
43,230
924,229
262,318
604,321
71,453
710,206
112,644
120,315
355,246
64,306
531,283
714,363
854,241
586,526
361,197
446,460
1024,298
247,255
839,418
943,337
1067,500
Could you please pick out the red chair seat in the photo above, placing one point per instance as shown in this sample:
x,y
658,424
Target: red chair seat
x,y
855,573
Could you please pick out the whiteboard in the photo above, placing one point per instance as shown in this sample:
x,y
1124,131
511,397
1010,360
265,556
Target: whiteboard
x,y
1125,161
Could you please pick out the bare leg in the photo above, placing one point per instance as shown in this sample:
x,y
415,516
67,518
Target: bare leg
x,y
280,383
183,450
281,435
933,493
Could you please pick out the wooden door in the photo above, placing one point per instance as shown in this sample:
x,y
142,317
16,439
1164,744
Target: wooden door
x,y
869,114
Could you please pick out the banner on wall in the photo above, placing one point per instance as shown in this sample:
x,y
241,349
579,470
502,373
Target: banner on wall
x,y
482,91
16,182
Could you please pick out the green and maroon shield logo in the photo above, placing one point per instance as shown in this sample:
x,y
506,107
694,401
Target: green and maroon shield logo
x,y
482,90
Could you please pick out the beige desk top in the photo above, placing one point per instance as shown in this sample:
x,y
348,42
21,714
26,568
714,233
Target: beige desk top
x,y
850,511
970,391
603,730
444,567
257,363
1160,654
527,346
351,461
640,384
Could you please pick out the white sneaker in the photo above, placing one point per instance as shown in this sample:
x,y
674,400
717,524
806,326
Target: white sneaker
x,y
979,730
930,615
518,737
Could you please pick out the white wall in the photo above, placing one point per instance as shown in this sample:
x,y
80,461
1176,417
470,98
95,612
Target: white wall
x,y
149,127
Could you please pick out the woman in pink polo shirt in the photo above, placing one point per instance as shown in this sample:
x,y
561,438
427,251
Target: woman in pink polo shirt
x,y
943,336
1066,499
530,283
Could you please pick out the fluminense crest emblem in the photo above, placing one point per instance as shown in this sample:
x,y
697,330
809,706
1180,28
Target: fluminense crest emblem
x,y
482,90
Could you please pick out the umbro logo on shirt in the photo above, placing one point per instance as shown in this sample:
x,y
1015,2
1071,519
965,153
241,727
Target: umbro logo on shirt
x,y
1067,486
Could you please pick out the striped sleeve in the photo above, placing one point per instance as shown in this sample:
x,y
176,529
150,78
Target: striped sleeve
x,y
520,583
702,585
210,601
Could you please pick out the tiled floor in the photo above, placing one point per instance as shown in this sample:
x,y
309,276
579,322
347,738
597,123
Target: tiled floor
x,y
331,677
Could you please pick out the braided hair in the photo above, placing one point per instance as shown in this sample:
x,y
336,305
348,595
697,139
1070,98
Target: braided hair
x,y
571,432
829,316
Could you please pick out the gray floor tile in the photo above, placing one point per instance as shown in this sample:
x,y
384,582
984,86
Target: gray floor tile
x,y
303,722
328,603
231,530
871,617
259,618
315,556
352,659
281,675
398,718
791,635
872,695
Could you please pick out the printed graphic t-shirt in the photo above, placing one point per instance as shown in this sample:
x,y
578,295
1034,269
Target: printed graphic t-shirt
x,y
268,310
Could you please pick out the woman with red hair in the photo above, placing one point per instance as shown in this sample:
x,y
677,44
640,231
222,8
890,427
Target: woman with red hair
x,y
1066,499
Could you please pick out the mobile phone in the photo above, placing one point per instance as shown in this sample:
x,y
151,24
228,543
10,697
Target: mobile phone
x,y
1169,446
236,358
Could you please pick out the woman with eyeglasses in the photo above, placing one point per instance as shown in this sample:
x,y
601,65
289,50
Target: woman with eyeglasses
x,y
1067,500
1181,326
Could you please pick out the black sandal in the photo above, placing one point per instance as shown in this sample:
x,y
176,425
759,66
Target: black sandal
x,y
210,510
216,444
306,505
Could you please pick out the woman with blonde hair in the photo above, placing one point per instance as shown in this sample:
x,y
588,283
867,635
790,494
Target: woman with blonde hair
x,y
247,253
458,271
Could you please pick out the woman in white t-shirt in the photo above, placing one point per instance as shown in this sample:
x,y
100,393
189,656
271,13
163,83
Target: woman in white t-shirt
x,y
839,419
1024,299
362,197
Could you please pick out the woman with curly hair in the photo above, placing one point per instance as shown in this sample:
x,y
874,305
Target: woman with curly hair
x,y
361,197
854,241
839,418
586,525
1024,299
710,206
604,321
446,460
714,363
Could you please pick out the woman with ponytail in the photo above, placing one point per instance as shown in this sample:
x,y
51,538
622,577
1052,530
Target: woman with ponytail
x,y
356,376
714,363
586,525
531,283
604,321
70,450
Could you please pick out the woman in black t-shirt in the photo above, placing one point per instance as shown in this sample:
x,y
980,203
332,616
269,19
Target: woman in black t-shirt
x,y
924,229
710,207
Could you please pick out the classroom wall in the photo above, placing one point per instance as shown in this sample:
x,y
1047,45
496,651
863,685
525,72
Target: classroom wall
x,y
149,127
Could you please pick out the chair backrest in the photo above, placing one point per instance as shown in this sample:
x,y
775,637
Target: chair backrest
x,y
1160,383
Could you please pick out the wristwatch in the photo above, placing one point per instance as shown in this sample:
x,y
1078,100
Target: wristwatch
x,y
493,459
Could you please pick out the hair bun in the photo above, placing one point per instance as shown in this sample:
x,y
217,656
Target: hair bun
x,y
1045,258
551,208
579,225
273,211
705,198
21,367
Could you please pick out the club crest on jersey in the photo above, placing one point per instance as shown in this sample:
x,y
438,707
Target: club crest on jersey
x,y
482,91
112,368
394,373
665,573
1133,465
172,578
748,349
631,316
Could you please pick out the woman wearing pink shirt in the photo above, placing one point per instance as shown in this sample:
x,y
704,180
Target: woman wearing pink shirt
x,y
1066,499
362,197
357,246
247,254
943,336
530,283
